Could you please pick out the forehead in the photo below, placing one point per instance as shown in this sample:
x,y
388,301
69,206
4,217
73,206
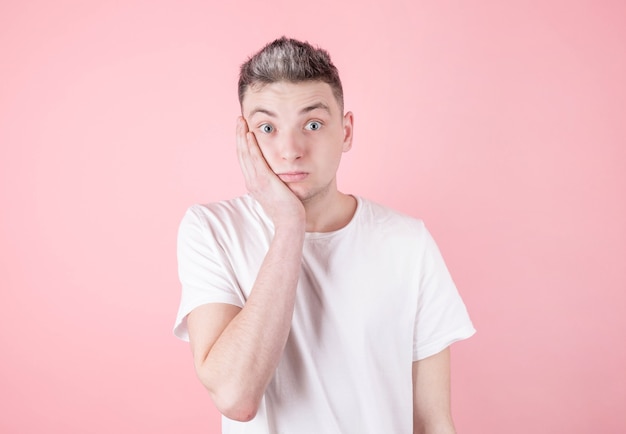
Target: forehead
x,y
288,96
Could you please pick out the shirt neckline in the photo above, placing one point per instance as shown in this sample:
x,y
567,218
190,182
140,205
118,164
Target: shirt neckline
x,y
321,235
313,235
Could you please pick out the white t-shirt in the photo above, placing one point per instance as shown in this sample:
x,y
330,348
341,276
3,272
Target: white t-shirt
x,y
372,298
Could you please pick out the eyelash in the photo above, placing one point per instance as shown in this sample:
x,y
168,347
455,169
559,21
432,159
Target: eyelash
x,y
313,122
263,126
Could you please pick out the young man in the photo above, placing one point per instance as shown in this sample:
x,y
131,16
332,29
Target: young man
x,y
309,310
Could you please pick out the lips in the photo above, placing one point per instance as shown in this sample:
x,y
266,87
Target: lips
x,y
292,176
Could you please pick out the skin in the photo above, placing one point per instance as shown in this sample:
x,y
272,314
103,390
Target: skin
x,y
301,134
431,395
290,139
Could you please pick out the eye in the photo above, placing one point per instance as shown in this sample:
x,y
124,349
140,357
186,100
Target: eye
x,y
313,126
266,128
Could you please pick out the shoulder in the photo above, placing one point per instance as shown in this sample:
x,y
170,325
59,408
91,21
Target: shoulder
x,y
224,213
224,208
224,220
387,219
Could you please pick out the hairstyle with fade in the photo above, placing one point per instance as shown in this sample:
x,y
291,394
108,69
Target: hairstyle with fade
x,y
289,60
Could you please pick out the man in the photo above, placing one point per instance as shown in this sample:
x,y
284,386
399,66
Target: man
x,y
309,310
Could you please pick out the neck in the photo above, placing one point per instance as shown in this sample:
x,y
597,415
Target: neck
x,y
330,212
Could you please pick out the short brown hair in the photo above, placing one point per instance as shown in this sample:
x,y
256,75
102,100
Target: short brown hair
x,y
289,60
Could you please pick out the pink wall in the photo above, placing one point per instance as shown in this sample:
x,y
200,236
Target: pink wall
x,y
502,125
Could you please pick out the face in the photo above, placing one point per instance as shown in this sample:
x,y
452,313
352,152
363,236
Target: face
x,y
301,132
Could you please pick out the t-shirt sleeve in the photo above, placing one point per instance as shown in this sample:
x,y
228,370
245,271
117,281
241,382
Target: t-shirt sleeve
x,y
204,271
442,317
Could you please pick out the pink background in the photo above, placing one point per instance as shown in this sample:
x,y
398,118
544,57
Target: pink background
x,y
501,124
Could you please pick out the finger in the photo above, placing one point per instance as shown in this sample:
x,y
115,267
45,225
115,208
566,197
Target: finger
x,y
248,157
256,155
240,133
253,162
251,159
241,138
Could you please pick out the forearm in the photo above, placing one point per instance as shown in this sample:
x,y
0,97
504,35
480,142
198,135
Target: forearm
x,y
242,361
431,395
444,426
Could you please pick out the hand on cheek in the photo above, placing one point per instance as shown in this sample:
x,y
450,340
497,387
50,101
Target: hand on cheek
x,y
278,201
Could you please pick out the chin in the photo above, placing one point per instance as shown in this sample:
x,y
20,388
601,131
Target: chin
x,y
300,193
306,196
307,192
302,196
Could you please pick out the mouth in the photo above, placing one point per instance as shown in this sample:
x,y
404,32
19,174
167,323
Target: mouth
x,y
292,176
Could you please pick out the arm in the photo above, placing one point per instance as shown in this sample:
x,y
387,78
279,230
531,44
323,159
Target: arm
x,y
431,395
236,351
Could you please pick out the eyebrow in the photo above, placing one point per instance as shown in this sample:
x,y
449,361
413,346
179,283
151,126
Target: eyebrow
x,y
318,105
307,109
262,110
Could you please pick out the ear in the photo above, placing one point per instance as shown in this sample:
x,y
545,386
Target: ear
x,y
348,129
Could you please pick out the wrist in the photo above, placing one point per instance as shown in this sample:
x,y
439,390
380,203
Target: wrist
x,y
293,223
292,228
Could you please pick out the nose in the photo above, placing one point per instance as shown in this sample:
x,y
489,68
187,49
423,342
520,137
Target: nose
x,y
291,146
